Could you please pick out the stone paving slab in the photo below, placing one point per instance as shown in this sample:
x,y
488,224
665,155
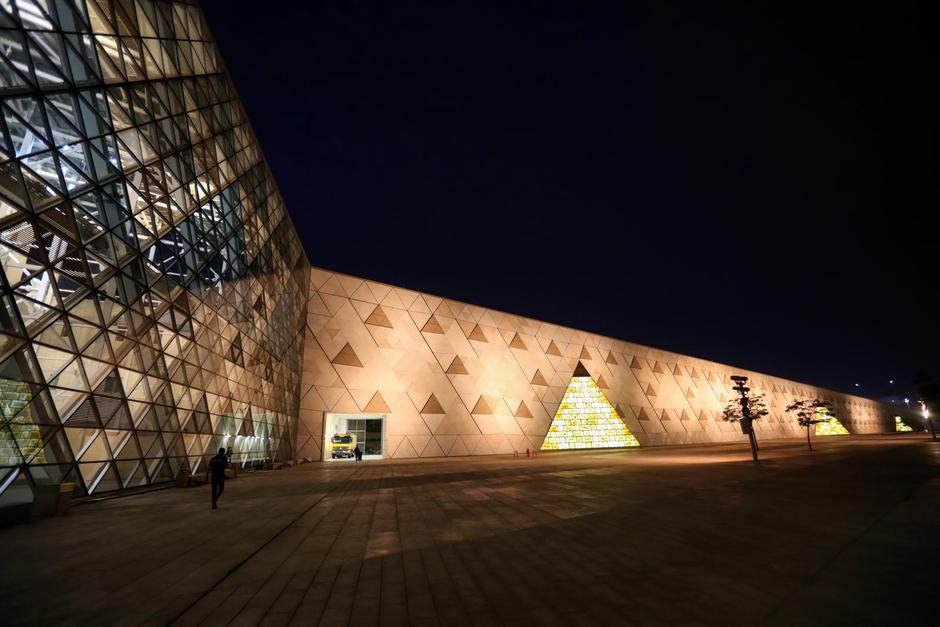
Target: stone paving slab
x,y
690,535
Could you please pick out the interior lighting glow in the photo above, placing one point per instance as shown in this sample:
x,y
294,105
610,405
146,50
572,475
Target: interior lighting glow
x,y
586,419
830,425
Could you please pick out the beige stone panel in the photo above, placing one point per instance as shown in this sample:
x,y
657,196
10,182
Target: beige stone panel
x,y
407,297
397,401
364,293
457,310
459,448
311,400
535,442
536,426
727,427
419,442
420,318
488,424
625,389
317,369
439,344
433,302
456,421
371,291
419,306
648,419
345,405
377,376
330,394
309,449
434,422
526,326
428,380
705,397
362,397
499,444
689,420
393,300
316,306
471,441
433,449
497,373
552,396
518,443
533,357
458,342
333,287
318,277
483,448
334,336
392,442
428,404
708,425
671,423
464,384
316,323
406,423
362,309
445,442
669,395
350,284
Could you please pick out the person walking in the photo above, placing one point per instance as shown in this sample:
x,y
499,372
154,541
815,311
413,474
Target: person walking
x,y
217,467
358,453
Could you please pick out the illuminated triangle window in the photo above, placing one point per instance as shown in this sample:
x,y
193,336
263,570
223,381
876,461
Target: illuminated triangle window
x,y
830,425
586,419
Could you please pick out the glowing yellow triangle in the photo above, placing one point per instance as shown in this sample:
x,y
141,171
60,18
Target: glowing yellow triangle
x,y
586,419
900,426
830,426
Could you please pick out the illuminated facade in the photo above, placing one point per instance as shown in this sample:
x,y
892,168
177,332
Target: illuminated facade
x,y
830,426
440,377
156,303
153,288
586,419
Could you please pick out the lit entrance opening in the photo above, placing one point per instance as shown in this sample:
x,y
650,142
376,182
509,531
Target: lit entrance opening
x,y
342,433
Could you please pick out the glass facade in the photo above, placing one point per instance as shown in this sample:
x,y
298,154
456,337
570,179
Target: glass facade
x,y
586,419
900,426
830,425
153,288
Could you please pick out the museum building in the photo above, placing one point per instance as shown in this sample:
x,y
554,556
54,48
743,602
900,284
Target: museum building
x,y
156,302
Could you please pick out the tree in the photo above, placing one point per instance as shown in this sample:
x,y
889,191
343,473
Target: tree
x,y
757,409
733,412
810,413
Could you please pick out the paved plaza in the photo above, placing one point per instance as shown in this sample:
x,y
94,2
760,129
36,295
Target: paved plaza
x,y
690,535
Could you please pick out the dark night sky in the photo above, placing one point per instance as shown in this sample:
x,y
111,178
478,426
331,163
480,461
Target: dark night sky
x,y
749,184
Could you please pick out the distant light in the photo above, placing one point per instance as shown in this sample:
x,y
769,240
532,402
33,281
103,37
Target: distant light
x,y
891,381
858,385
907,400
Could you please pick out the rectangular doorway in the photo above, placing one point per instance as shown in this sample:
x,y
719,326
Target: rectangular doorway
x,y
342,433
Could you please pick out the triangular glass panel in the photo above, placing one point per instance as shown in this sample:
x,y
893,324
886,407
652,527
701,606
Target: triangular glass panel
x,y
586,419
65,401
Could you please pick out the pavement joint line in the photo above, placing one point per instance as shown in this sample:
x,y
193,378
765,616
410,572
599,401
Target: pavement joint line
x,y
258,550
325,557
501,540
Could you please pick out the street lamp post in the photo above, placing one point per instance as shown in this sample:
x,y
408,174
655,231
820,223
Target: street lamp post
x,y
928,420
747,422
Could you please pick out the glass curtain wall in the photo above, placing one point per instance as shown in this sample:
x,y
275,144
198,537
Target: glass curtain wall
x,y
153,287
